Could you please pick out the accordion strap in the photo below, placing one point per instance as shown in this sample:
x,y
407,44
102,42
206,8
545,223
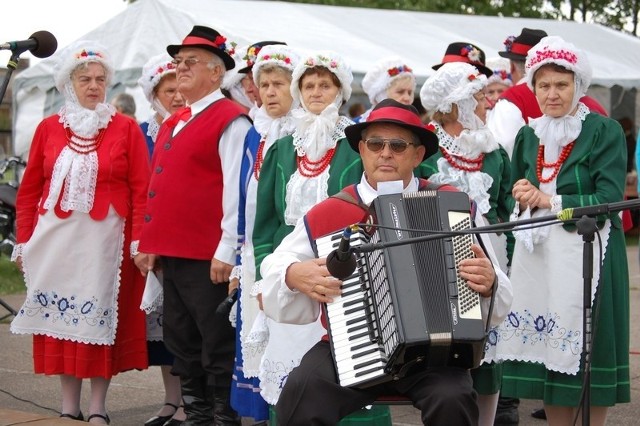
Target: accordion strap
x,y
349,198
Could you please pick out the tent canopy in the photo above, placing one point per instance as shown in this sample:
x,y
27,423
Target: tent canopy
x,y
361,36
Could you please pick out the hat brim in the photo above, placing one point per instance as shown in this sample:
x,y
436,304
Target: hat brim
x,y
427,138
228,61
481,68
514,56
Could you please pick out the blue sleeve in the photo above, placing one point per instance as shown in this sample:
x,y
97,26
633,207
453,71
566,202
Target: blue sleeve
x,y
250,147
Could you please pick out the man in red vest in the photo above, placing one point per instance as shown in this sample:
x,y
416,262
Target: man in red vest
x,y
518,104
191,221
392,142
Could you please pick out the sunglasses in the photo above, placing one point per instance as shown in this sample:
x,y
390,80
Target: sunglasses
x,y
396,145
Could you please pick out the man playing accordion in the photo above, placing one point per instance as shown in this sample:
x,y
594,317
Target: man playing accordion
x,y
391,143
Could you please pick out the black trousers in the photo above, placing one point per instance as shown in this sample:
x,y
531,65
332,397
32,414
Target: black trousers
x,y
312,396
203,343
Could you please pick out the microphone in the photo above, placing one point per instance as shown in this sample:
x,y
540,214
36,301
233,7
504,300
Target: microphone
x,y
225,306
342,261
42,44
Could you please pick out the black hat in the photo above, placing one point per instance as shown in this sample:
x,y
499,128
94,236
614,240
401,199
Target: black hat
x,y
252,54
208,39
465,52
393,112
518,47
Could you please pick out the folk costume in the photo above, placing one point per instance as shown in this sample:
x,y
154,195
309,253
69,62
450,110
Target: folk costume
x,y
191,217
251,340
580,160
83,194
474,163
298,172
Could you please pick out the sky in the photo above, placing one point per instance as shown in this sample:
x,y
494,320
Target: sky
x,y
67,20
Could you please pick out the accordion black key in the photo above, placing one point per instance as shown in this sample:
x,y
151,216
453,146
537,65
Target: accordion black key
x,y
406,306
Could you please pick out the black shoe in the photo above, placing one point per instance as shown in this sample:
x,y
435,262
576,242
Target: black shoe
x,y
173,422
161,420
72,417
539,414
104,417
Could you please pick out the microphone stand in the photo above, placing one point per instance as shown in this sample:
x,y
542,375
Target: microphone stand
x,y
11,66
586,226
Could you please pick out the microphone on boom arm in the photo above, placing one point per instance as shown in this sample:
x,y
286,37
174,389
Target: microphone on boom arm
x,y
42,44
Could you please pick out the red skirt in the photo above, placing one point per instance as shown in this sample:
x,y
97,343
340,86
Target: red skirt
x,y
82,360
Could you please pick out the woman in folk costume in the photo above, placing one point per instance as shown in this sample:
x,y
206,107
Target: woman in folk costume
x,y
271,71
472,161
83,197
159,85
299,171
389,78
567,158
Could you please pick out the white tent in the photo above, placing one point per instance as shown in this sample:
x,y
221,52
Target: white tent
x,y
362,36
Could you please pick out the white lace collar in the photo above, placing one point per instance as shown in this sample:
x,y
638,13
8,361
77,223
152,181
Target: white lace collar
x,y
315,135
556,133
82,121
273,128
469,143
74,173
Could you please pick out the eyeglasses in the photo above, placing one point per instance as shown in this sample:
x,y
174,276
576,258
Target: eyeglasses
x,y
396,145
189,62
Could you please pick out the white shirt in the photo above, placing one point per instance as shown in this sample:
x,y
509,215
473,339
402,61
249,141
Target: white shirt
x,y
283,304
230,152
505,121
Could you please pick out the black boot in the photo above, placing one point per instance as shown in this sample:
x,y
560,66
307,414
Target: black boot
x,y
223,413
197,403
507,412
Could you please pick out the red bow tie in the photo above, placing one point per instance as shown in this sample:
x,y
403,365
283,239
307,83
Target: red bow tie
x,y
183,114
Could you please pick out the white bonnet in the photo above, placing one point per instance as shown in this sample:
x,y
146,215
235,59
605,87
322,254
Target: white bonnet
x,y
232,77
153,71
501,68
329,60
279,55
453,82
77,53
378,79
555,50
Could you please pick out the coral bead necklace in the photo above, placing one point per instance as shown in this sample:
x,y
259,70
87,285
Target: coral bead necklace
x,y
259,158
309,169
459,162
540,164
84,145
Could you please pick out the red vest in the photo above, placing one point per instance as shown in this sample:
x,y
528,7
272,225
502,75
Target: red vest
x,y
521,96
184,201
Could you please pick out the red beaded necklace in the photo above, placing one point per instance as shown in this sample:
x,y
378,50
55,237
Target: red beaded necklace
x,y
540,164
83,145
458,161
259,159
309,169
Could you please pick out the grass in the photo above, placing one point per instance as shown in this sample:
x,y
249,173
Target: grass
x,y
11,280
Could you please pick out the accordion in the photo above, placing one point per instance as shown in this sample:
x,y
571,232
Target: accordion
x,y
406,305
